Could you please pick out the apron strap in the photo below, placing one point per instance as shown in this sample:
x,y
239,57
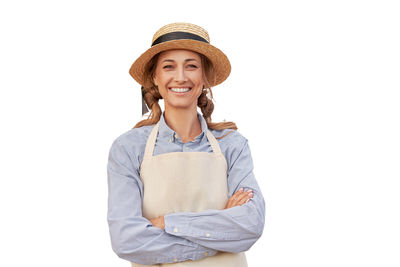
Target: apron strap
x,y
151,141
213,142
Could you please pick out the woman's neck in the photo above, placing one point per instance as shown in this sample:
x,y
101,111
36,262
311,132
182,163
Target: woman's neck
x,y
184,123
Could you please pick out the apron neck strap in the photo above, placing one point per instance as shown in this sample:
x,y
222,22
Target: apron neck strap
x,y
153,136
151,141
213,142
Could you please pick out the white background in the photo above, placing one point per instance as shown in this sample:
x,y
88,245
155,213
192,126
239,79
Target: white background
x,y
314,87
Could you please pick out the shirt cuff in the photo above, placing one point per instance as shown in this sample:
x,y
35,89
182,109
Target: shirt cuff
x,y
178,224
174,225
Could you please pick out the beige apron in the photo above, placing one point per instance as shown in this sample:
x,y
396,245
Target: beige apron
x,y
186,182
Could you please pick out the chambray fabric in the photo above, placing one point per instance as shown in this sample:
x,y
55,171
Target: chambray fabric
x,y
201,234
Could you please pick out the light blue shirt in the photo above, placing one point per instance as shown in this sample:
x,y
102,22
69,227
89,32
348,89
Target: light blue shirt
x,y
201,234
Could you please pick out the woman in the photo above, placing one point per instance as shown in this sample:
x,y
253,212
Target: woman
x,y
181,188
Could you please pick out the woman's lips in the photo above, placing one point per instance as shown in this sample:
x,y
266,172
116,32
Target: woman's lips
x,y
180,90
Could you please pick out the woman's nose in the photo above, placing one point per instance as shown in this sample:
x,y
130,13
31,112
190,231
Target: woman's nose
x,y
180,75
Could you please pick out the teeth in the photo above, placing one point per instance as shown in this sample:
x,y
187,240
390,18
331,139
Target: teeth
x,y
180,90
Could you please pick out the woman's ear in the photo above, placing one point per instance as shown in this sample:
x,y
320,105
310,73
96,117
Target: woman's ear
x,y
154,79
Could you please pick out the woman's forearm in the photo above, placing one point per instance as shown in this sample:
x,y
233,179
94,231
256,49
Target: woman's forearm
x,y
232,230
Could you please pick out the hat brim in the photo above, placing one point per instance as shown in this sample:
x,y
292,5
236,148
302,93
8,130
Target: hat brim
x,y
220,61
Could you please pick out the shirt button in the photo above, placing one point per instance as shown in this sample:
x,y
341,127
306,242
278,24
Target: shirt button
x,y
205,253
207,235
175,230
175,260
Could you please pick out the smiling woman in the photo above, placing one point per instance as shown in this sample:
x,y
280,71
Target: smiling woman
x,y
181,187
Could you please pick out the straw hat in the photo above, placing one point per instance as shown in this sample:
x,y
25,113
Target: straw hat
x,y
183,36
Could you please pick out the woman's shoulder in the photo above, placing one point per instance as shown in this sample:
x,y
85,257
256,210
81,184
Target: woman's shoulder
x,y
231,142
134,137
129,146
229,137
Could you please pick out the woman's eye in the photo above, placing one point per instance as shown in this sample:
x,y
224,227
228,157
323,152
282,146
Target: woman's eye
x,y
192,66
167,66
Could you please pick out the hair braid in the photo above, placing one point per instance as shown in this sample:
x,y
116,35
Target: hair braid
x,y
151,95
206,105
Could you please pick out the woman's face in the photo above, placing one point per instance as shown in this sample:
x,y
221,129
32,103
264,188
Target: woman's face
x,y
179,77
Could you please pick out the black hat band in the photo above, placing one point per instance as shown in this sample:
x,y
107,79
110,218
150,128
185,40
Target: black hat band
x,y
177,36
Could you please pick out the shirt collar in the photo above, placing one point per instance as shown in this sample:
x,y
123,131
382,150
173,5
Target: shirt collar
x,y
164,131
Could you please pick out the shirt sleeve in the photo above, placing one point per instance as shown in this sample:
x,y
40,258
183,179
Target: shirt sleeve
x,y
133,237
232,230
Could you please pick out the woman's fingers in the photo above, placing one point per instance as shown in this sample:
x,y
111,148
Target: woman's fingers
x,y
245,196
237,195
233,199
239,198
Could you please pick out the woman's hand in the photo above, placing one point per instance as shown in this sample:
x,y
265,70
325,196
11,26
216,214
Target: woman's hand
x,y
158,222
239,198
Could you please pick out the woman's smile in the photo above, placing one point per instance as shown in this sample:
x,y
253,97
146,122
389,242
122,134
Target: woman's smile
x,y
180,90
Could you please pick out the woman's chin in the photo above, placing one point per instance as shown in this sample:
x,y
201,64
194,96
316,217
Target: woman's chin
x,y
180,105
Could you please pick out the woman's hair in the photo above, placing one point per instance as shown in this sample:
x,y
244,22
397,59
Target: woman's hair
x,y
151,95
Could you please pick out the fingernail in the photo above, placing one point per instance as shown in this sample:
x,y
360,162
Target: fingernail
x,y
241,189
250,190
251,194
